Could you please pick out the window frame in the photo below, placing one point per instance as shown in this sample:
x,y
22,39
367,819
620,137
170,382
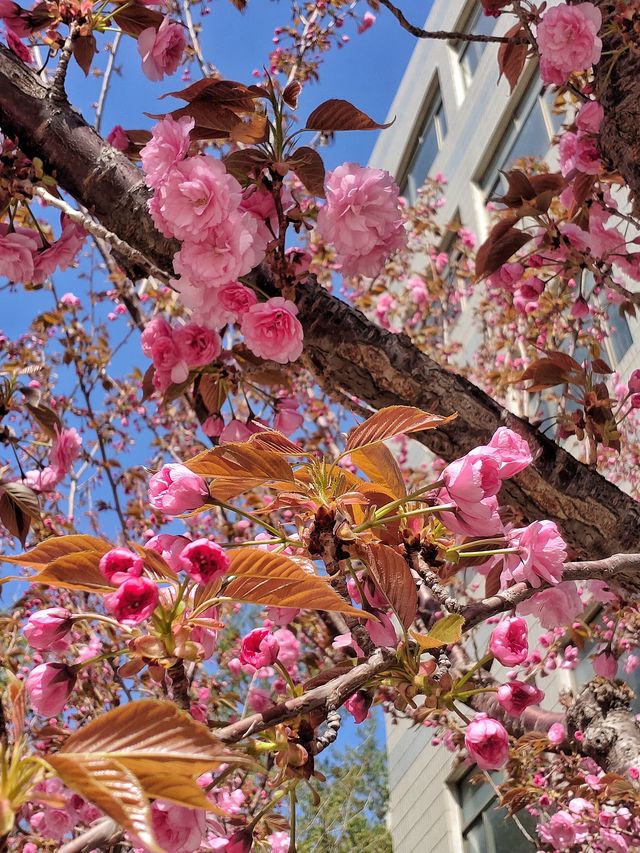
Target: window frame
x,y
433,111
468,22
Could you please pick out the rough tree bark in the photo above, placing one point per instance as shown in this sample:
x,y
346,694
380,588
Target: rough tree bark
x,y
345,349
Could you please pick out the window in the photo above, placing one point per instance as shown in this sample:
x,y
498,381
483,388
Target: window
x,y
426,147
487,829
470,52
529,132
620,338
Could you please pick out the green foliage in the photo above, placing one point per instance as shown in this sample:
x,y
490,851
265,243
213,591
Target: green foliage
x,y
352,810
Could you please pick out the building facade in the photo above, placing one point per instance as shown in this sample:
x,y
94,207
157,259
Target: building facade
x,y
453,116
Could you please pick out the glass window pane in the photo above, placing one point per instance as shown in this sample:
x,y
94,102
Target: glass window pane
x,y
621,338
470,53
474,797
504,833
424,155
474,839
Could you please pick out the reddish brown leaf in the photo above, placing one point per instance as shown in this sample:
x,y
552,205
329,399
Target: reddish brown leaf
x,y
512,56
391,573
380,466
134,17
84,49
291,94
492,581
264,577
308,166
236,96
337,114
247,164
18,505
501,244
600,366
392,421
46,417
58,546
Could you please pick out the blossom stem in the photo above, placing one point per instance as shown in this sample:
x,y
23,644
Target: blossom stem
x,y
490,553
283,672
100,658
98,617
374,522
248,515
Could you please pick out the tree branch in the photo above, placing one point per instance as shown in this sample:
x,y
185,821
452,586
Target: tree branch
x,y
418,32
328,697
620,571
344,349
104,831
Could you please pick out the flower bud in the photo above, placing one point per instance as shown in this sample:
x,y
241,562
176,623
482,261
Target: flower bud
x,y
48,627
49,685
120,564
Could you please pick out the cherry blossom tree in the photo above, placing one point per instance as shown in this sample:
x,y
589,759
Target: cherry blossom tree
x,y
221,528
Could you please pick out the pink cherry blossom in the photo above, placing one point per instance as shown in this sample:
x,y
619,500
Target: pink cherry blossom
x,y
61,253
46,629
133,601
196,195
17,254
197,345
605,664
231,250
272,330
568,40
361,218
65,450
516,696
541,554
471,519
43,480
228,305
509,641
156,329
117,137
289,645
556,734
513,451
259,648
120,564
554,607
590,117
177,828
161,50
368,20
487,742
48,686
175,489
204,560
169,547
167,147
561,832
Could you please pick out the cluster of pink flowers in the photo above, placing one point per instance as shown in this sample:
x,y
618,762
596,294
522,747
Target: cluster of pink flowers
x,y
175,350
224,233
64,452
24,258
136,596
568,42
161,50
362,218
473,481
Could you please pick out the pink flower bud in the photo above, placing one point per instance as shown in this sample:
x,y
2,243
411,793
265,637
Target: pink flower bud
x,y
556,734
120,564
204,561
259,648
358,706
605,664
133,601
175,489
48,627
634,382
49,685
487,742
510,642
516,696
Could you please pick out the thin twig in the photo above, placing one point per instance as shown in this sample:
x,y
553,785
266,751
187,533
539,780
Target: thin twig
x,y
105,831
97,230
106,80
418,32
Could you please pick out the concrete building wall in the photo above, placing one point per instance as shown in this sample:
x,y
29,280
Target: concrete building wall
x,y
425,812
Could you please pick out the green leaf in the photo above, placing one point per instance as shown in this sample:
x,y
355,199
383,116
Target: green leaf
x,y
446,631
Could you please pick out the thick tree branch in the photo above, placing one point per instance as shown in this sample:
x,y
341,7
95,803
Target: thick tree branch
x,y
345,350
